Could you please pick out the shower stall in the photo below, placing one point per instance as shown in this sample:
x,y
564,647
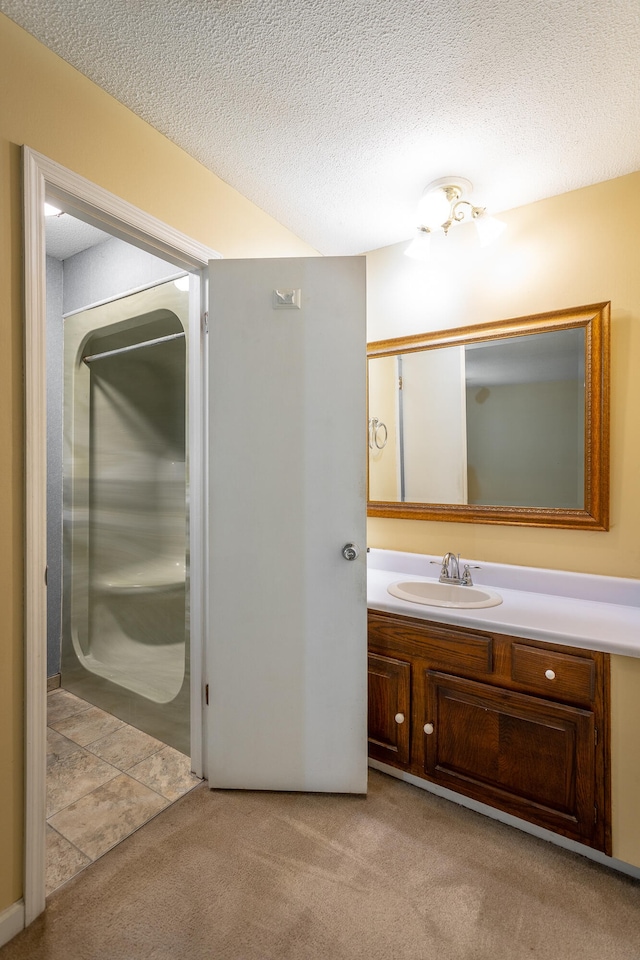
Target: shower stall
x,y
125,644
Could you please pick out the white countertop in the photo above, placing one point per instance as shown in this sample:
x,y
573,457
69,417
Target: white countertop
x,y
576,609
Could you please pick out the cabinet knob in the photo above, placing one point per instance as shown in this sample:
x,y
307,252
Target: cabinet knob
x,y
549,674
428,728
399,718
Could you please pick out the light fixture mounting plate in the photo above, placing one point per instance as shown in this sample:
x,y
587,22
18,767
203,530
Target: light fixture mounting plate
x,y
461,183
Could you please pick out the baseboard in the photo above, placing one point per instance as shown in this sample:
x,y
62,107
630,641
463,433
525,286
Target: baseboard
x,y
53,682
510,820
11,922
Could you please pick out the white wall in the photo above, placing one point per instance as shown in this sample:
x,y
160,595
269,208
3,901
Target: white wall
x,y
108,270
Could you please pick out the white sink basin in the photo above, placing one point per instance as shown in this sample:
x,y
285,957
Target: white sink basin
x,y
436,594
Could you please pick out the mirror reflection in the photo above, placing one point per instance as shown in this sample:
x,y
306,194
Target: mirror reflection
x,y
503,423
496,422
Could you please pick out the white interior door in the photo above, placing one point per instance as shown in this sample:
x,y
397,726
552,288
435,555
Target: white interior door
x,y
286,612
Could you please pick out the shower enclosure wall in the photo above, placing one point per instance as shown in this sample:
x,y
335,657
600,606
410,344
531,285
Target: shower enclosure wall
x,y
125,614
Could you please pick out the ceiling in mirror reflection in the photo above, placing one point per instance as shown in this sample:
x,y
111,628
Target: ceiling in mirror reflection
x,y
541,357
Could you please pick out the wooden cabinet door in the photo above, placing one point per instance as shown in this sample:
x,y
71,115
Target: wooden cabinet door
x,y
389,709
527,756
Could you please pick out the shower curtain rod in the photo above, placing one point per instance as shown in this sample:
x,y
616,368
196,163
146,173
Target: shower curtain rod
x,y
133,346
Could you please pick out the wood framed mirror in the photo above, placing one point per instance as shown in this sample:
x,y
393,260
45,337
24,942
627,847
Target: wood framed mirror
x,y
504,422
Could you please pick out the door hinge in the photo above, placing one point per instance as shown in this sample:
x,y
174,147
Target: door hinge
x,y
595,814
206,694
205,322
595,736
399,383
46,576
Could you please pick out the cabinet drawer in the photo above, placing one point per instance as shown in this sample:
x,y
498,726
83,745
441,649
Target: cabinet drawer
x,y
445,648
562,676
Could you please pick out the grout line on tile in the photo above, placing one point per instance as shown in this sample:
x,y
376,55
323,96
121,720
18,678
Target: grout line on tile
x,y
153,789
87,705
88,793
66,839
167,801
122,769
162,795
148,757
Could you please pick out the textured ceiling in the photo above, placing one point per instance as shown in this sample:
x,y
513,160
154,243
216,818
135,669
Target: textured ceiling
x,y
332,115
65,236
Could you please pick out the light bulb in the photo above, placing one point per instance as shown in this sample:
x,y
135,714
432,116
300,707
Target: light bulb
x,y
489,228
433,208
420,246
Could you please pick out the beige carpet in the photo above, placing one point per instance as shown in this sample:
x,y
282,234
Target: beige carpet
x,y
401,875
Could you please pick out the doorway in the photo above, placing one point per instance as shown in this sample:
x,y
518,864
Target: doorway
x,y
46,180
122,457
118,737
286,402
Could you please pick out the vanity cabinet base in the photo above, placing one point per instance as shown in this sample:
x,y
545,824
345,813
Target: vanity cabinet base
x,y
484,729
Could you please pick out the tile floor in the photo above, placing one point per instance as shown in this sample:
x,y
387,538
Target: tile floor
x,y
104,780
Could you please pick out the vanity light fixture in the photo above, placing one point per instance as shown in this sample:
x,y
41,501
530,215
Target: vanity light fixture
x,y
441,205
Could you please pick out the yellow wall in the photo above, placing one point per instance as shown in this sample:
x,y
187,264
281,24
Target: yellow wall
x,y
625,758
578,248
50,107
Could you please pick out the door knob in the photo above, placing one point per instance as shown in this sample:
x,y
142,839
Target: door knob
x,y
550,674
350,551
399,718
428,728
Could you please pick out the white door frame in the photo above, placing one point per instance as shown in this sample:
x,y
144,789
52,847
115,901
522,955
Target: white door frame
x,y
89,202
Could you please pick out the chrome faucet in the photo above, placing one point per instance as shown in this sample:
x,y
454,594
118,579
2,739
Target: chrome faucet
x,y
450,570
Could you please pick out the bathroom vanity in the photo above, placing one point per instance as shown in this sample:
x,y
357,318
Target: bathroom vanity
x,y
515,694
519,725
508,705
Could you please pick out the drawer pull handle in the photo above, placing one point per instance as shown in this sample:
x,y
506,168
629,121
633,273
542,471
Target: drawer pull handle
x,y
399,718
428,728
549,674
